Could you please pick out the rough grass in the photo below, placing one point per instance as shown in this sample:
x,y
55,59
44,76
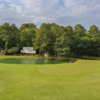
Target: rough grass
x,y
21,57
70,81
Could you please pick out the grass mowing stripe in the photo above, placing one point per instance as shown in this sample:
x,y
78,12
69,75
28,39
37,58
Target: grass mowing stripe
x,y
72,81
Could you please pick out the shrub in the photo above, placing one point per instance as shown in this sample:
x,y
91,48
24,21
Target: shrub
x,y
3,52
13,50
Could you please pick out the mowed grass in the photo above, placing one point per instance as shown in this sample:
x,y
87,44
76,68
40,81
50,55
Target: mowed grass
x,y
68,81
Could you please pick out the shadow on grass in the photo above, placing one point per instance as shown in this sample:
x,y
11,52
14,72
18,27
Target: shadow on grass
x,y
89,58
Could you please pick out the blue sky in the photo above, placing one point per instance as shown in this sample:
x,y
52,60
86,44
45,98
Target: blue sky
x,y
62,12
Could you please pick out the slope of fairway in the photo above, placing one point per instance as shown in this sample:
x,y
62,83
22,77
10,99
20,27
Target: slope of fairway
x,y
69,81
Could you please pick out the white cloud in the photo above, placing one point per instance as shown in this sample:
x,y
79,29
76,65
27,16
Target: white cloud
x,y
72,12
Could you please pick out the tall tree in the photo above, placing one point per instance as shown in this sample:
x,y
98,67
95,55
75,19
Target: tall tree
x,y
14,38
2,44
27,26
27,37
83,46
69,31
43,40
63,42
8,34
79,31
94,33
5,34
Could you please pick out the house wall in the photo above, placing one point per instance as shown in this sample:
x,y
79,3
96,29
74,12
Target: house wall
x,y
28,50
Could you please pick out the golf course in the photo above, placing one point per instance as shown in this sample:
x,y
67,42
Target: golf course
x,y
64,81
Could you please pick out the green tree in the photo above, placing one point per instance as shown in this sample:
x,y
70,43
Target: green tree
x,y
27,26
5,34
63,42
83,46
43,38
8,34
55,33
79,31
69,32
2,44
94,33
27,37
14,40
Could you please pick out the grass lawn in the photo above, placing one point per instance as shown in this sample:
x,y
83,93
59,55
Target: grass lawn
x,y
68,81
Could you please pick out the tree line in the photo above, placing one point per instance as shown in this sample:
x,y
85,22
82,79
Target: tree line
x,y
50,38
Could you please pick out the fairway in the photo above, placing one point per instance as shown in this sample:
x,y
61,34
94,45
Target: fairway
x,y
66,81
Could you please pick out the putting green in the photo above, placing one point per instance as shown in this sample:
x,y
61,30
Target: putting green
x,y
81,67
67,81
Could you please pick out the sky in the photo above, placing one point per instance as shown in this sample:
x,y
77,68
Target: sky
x,y
61,12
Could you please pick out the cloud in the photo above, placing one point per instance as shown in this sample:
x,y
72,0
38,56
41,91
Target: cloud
x,y
62,12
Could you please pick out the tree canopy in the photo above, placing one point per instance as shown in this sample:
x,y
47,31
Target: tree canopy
x,y
51,38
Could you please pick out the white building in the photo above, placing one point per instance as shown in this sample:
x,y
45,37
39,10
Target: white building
x,y
28,50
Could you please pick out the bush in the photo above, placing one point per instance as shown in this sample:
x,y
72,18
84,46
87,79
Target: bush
x,y
38,55
13,50
62,58
3,52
